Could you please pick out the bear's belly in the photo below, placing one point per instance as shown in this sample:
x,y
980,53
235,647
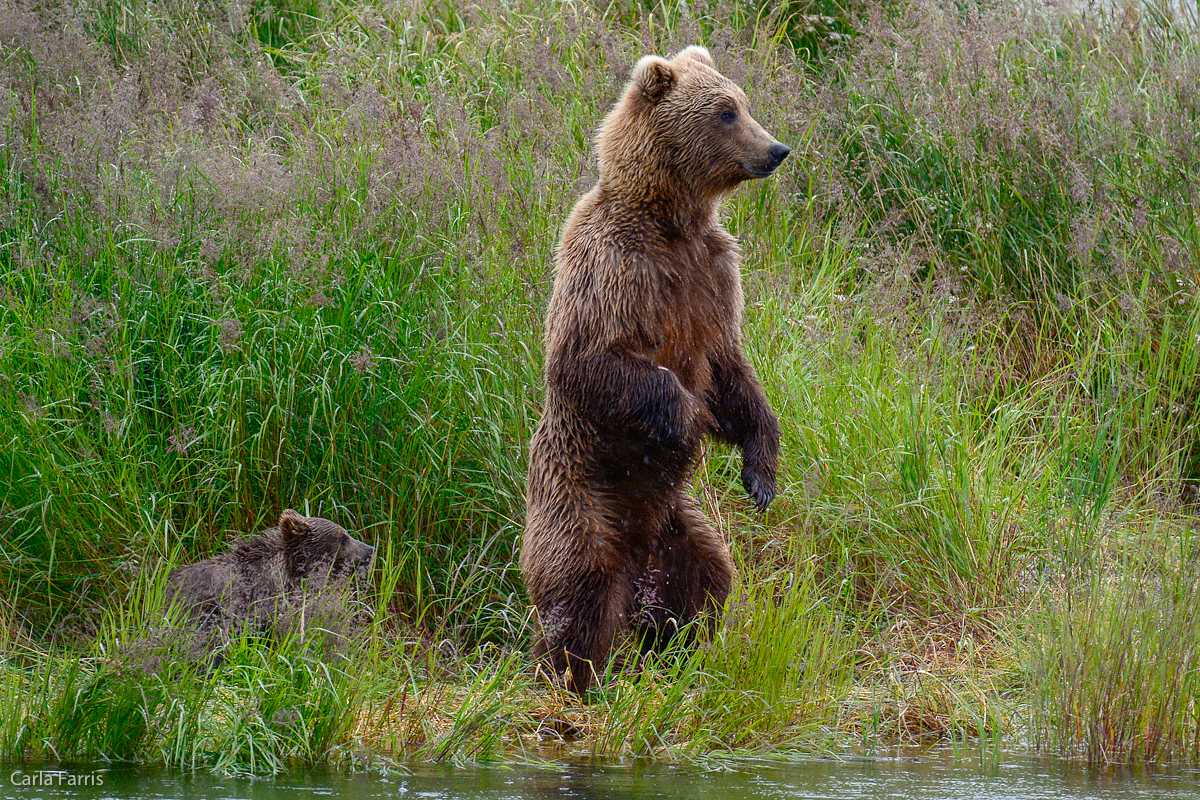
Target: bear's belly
x,y
630,476
635,466
624,467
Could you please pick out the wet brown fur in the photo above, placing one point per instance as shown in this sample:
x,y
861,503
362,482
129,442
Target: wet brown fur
x,y
643,358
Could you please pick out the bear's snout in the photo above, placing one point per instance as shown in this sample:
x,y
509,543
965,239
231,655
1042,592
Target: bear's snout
x,y
766,161
363,554
355,559
774,156
778,152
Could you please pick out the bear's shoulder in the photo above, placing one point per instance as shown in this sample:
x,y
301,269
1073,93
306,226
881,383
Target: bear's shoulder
x,y
253,552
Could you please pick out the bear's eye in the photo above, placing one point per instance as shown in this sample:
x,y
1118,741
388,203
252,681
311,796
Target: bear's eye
x,y
728,115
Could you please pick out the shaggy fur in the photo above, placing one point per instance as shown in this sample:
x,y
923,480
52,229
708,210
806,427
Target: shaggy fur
x,y
263,581
643,358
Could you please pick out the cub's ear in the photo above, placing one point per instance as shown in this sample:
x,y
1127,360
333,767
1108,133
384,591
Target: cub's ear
x,y
292,525
697,53
654,76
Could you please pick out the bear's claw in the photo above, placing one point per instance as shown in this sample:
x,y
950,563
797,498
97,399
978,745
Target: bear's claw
x,y
760,488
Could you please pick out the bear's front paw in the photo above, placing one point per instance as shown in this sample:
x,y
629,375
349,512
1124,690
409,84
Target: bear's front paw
x,y
669,422
759,486
667,428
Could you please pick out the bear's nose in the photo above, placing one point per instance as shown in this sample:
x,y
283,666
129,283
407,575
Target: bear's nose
x,y
778,152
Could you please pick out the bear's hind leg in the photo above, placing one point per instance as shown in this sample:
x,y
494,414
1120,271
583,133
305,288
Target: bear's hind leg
x,y
689,572
580,618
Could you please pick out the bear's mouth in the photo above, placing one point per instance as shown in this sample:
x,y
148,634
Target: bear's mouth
x,y
759,170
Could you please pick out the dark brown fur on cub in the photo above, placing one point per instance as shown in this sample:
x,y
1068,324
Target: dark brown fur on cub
x,y
268,578
644,358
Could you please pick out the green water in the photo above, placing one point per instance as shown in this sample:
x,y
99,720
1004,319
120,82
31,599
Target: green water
x,y
903,778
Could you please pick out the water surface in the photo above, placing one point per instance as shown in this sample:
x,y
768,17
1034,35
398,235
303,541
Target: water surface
x,y
899,778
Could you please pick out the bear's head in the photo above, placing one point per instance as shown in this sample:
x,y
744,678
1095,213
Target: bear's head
x,y
317,549
682,129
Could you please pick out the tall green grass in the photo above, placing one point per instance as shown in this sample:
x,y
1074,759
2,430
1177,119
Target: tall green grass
x,y
1113,661
772,677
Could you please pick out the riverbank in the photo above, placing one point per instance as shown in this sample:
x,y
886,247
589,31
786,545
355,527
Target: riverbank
x,y
298,254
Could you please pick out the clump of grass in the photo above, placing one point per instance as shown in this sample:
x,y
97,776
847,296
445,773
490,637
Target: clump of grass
x,y
1112,662
949,681
771,677
141,693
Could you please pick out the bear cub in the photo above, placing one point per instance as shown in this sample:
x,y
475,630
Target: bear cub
x,y
643,359
271,580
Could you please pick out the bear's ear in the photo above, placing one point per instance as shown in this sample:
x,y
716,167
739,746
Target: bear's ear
x,y
697,53
654,76
292,526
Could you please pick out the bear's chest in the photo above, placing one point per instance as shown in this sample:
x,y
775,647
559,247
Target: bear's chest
x,y
700,301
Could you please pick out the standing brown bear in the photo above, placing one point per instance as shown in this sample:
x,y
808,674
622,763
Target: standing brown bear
x,y
643,358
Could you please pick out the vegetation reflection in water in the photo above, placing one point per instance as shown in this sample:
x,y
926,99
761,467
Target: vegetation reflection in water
x,y
919,777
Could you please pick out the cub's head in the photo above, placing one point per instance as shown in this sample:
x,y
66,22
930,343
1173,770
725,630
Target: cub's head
x,y
684,126
319,549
